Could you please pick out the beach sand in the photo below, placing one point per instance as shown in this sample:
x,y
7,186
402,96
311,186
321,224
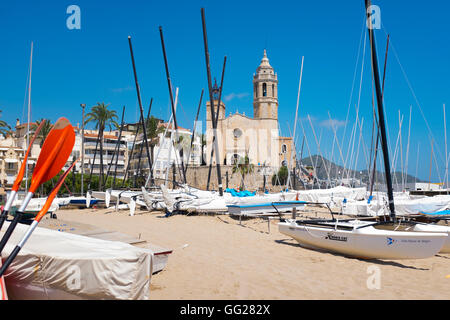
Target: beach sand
x,y
216,257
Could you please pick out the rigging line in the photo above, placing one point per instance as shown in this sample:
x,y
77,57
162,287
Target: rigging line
x,y
417,163
332,153
364,147
359,99
25,95
318,146
407,146
412,91
354,77
319,153
437,167
394,162
350,146
357,154
337,140
394,158
401,156
352,140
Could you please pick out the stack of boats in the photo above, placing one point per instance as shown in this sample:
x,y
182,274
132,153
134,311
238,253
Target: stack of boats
x,y
191,200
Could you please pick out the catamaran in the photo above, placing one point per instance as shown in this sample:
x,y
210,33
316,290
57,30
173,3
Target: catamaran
x,y
366,239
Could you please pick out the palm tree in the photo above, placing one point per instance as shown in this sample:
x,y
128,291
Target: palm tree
x,y
102,117
5,129
153,130
243,166
45,130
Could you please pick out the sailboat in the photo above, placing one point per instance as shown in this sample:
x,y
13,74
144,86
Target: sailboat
x,y
365,239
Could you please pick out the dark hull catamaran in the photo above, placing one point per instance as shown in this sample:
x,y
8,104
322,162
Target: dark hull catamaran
x,y
365,239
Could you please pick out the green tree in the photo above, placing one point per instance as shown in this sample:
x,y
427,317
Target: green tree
x,y
153,130
68,189
5,129
102,117
244,167
45,130
281,177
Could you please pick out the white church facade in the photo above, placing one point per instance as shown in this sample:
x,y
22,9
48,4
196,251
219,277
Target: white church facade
x,y
258,137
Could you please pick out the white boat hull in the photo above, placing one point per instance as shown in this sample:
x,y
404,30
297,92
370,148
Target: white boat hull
x,y
367,242
436,229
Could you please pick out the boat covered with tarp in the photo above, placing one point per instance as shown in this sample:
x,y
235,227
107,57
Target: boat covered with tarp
x,y
58,265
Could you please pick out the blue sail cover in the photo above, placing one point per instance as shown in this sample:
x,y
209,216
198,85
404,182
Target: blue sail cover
x,y
244,193
439,213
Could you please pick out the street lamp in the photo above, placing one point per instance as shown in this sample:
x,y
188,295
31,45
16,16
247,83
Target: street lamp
x,y
83,105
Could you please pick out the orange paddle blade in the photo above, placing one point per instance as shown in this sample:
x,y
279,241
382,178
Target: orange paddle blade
x,y
54,153
54,192
21,173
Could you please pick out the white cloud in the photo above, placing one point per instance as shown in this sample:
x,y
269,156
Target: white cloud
x,y
233,95
332,123
120,90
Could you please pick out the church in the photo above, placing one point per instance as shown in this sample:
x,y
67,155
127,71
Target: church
x,y
257,138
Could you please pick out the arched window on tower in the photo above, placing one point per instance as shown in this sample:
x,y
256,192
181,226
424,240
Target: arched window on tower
x,y
273,90
264,89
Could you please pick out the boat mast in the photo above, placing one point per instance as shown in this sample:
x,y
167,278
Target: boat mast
x,y
83,105
380,112
407,149
378,126
193,132
171,143
217,118
138,170
138,91
117,147
169,82
29,116
446,152
295,125
214,122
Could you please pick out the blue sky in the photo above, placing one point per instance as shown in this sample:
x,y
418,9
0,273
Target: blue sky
x,y
93,64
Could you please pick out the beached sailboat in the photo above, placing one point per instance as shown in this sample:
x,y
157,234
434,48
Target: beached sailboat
x,y
374,240
368,240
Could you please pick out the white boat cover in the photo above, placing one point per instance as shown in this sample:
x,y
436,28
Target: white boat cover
x,y
403,206
331,195
59,265
36,204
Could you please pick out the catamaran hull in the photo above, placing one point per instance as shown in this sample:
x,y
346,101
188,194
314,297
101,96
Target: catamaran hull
x,y
367,242
436,229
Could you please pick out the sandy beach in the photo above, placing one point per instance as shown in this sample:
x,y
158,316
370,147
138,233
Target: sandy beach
x,y
216,257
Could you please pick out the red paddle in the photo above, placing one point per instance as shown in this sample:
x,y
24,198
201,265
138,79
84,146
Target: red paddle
x,y
38,218
54,154
19,177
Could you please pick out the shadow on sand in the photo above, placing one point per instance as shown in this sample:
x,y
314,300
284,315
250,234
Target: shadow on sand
x,y
374,261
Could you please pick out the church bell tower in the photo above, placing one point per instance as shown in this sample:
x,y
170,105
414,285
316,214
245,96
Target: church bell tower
x,y
265,91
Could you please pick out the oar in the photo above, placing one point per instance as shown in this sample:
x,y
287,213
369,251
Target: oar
x,y
19,178
38,218
54,154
